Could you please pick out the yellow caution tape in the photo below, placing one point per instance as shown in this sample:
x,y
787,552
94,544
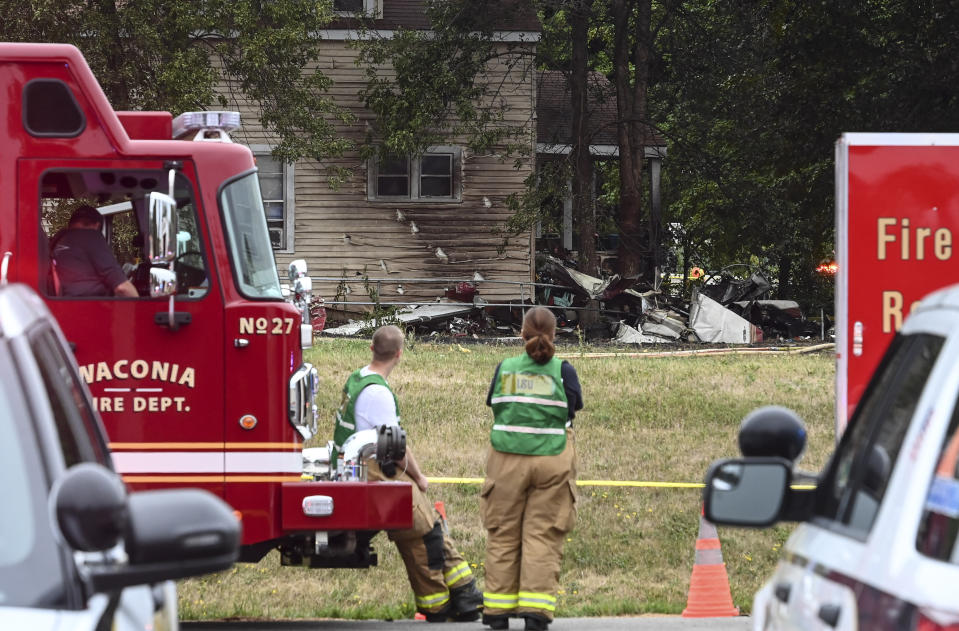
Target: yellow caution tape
x,y
704,352
628,483
455,480
656,485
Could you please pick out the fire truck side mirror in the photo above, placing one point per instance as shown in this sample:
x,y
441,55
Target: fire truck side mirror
x,y
297,269
303,286
162,282
162,221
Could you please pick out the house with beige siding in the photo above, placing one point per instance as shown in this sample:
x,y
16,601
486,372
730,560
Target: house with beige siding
x,y
434,216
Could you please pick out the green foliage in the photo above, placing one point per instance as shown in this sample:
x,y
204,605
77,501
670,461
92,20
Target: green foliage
x,y
174,54
753,97
379,315
428,87
541,200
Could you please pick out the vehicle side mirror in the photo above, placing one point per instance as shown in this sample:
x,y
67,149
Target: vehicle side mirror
x,y
296,269
303,286
163,229
173,534
162,282
750,492
90,505
772,431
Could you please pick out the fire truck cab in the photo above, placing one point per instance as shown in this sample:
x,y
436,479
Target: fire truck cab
x,y
200,380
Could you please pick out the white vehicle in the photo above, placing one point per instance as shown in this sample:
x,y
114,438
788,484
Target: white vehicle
x,y
877,545
77,552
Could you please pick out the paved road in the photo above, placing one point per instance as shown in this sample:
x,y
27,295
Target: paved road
x,y
642,623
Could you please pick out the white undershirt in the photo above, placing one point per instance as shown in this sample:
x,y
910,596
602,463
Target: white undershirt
x,y
375,406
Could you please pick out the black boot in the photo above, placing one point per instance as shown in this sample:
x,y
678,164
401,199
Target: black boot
x,y
443,616
535,622
497,623
467,602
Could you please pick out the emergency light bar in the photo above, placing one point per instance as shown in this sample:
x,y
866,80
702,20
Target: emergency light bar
x,y
209,126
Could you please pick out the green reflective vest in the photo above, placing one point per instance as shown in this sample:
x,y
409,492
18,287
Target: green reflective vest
x,y
345,419
529,407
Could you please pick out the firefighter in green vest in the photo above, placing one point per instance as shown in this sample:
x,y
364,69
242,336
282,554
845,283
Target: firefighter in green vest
x,y
442,582
528,500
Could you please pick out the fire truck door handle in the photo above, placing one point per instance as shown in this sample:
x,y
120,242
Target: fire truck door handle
x,y
180,318
241,342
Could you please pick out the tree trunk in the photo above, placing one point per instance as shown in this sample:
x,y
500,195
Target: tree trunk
x,y
582,186
785,271
582,162
638,247
639,131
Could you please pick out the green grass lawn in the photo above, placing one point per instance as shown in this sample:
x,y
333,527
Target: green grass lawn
x,y
646,419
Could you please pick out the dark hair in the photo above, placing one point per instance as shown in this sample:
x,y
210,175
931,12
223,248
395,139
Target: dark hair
x,y
539,328
87,215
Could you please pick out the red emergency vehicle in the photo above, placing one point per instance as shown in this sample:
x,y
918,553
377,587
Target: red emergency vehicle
x,y
897,202
200,381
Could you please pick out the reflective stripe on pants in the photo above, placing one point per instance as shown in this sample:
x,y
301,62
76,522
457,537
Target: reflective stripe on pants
x,y
500,601
457,573
537,601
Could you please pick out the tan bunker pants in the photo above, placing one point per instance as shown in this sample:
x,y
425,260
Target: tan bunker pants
x,y
528,505
433,565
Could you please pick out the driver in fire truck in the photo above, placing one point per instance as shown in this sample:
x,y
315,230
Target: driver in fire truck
x,y
442,582
84,264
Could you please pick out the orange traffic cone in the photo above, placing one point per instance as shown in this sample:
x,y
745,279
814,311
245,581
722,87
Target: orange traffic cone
x,y
441,509
709,595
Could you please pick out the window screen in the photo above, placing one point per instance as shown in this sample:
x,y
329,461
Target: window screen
x,y
436,175
393,177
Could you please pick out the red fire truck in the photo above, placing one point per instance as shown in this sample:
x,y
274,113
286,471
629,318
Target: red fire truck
x,y
201,380
897,201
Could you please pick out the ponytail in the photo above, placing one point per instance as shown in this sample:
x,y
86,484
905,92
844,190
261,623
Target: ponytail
x,y
539,329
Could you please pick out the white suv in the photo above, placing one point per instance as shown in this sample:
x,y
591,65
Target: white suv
x,y
878,543
76,551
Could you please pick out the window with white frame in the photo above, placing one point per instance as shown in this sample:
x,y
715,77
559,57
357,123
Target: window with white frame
x,y
276,187
433,176
352,7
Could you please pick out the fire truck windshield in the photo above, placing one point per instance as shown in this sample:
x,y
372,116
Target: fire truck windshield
x,y
250,247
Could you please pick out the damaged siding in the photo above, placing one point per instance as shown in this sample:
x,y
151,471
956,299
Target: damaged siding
x,y
343,234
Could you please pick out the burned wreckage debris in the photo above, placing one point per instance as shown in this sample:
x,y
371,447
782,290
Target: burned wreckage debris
x,y
723,310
